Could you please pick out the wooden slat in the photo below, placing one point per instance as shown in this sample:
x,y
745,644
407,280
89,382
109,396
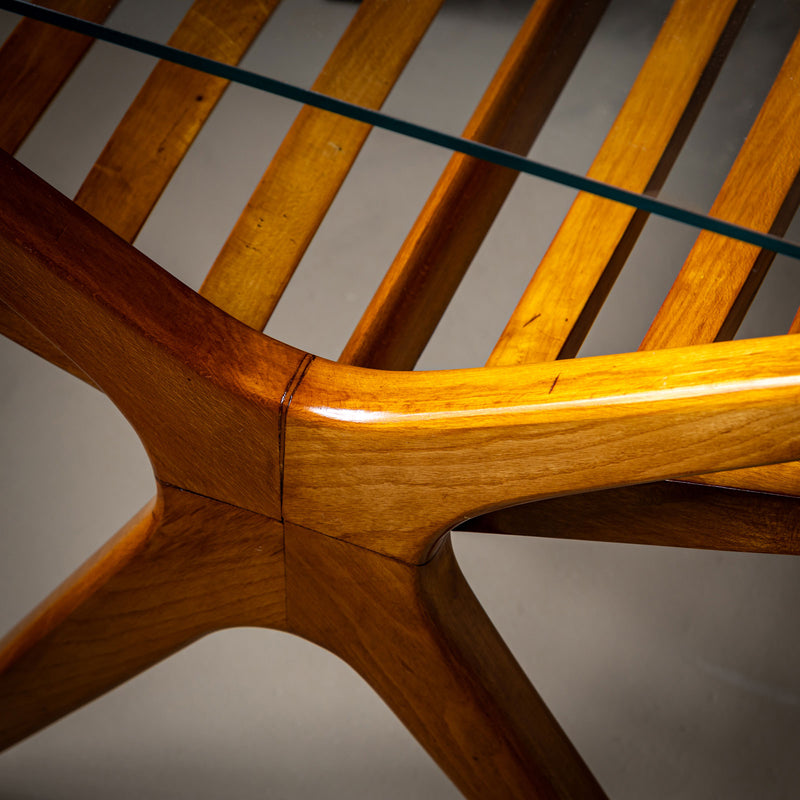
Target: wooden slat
x,y
389,460
668,513
419,636
717,282
164,119
35,61
713,291
439,248
183,567
294,194
578,270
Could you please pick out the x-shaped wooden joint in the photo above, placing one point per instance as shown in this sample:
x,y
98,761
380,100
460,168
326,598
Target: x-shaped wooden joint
x,y
312,497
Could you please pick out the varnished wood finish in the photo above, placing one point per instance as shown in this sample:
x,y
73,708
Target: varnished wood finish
x,y
555,312
202,391
437,448
666,514
289,203
713,291
183,567
315,497
35,61
153,136
161,124
423,642
437,252
22,332
720,277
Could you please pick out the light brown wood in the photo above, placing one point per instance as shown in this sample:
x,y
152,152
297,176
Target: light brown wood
x,y
289,203
423,642
391,460
315,497
153,136
34,63
23,333
183,567
401,317
161,124
556,311
665,514
720,277
717,282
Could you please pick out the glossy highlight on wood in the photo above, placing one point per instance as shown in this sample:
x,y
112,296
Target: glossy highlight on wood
x,y
317,497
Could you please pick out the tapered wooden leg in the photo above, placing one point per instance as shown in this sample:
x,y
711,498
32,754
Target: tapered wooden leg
x,y
418,635
184,566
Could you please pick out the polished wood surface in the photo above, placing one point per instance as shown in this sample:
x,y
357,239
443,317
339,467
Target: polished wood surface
x,y
207,407
423,642
153,136
161,124
665,514
34,63
316,497
183,567
405,310
294,194
719,278
438,447
554,314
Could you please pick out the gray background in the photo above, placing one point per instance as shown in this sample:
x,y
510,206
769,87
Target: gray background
x,y
676,673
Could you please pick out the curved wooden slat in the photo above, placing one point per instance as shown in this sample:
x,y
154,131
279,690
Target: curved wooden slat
x,y
167,114
202,390
586,255
421,639
34,63
404,312
293,196
667,513
391,460
183,567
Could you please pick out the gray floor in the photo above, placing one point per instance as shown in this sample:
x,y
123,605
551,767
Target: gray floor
x,y
677,673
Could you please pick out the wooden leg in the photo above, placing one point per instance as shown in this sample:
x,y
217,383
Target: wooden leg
x,y
418,635
184,566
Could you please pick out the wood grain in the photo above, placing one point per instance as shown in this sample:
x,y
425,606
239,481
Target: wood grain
x,y
289,203
405,310
14,327
421,639
592,244
664,514
720,277
183,567
201,390
391,460
35,61
167,114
